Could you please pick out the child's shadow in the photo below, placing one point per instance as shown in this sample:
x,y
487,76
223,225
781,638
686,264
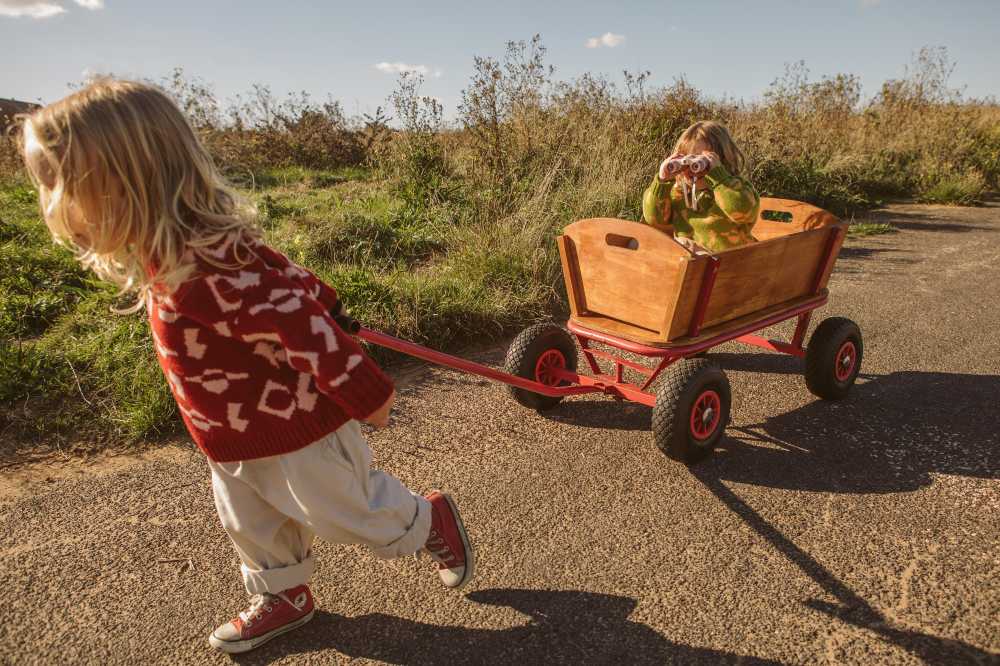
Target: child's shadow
x,y
564,627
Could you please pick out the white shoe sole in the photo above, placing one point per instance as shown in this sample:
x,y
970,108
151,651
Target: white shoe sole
x,y
470,554
235,647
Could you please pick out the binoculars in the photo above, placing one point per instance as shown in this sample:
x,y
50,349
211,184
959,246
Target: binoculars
x,y
693,165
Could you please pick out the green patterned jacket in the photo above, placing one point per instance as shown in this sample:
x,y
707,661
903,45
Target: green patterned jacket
x,y
722,217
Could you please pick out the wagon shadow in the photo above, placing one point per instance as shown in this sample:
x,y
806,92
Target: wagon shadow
x,y
774,364
918,221
891,435
607,414
890,259
564,627
849,607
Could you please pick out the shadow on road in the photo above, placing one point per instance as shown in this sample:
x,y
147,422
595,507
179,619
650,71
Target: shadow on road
x,y
564,627
606,414
890,435
849,607
921,221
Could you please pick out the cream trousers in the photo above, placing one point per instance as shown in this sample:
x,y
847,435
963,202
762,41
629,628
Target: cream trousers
x,y
273,507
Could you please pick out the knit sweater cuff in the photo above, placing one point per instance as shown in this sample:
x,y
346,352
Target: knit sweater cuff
x,y
717,176
368,389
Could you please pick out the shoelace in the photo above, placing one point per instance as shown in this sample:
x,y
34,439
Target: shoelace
x,y
264,603
438,549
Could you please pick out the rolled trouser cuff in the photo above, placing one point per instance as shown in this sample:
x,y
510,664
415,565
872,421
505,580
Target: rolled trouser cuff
x,y
415,536
278,579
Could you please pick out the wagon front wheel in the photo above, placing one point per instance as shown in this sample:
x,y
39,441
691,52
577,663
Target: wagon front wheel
x,y
539,353
692,409
833,358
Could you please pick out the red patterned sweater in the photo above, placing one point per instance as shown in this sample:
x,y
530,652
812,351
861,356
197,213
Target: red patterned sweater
x,y
255,361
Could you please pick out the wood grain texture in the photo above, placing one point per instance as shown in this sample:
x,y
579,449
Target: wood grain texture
x,y
804,217
636,334
634,281
627,270
571,275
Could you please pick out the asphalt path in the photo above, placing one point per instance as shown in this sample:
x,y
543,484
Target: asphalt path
x,y
862,532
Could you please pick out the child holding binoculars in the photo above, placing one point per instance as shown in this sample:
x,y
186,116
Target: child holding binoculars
x,y
700,192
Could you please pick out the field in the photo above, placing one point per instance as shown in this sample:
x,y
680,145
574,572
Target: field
x,y
442,232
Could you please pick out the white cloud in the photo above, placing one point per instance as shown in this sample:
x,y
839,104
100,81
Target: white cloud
x,y
42,9
33,8
609,39
400,67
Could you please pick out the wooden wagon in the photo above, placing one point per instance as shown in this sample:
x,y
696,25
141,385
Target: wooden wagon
x,y
632,288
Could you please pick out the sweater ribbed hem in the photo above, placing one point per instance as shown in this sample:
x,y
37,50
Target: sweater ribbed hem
x,y
368,389
283,437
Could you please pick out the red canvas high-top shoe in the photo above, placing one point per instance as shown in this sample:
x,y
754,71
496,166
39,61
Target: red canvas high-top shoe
x,y
448,543
268,616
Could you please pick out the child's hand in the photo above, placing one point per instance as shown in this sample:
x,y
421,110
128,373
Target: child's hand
x,y
713,158
380,417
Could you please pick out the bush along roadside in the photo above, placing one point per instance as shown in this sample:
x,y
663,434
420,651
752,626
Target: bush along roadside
x,y
443,232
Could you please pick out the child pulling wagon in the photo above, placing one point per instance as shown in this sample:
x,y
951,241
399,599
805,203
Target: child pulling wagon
x,y
268,384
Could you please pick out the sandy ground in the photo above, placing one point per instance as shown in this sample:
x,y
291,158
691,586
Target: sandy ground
x,y
861,532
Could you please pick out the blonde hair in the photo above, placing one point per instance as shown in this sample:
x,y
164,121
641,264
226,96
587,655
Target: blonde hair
x,y
717,136
126,159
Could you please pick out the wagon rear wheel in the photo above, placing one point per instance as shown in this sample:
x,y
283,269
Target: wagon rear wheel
x,y
692,409
538,353
833,358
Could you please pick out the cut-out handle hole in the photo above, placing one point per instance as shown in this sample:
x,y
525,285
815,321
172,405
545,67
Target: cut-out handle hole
x,y
776,216
626,242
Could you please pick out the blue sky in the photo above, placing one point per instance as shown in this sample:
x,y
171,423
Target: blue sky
x,y
732,48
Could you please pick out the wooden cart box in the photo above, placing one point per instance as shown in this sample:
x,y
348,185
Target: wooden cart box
x,y
634,281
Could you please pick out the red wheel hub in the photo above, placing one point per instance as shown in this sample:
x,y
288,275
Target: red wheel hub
x,y
847,358
706,414
547,366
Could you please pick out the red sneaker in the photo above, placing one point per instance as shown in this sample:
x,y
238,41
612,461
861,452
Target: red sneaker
x,y
448,543
269,615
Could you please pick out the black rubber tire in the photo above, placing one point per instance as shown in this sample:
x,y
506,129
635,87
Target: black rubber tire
x,y
522,359
682,384
821,358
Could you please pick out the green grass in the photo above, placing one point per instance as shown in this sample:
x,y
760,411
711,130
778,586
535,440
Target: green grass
x,y
966,189
870,229
303,177
74,372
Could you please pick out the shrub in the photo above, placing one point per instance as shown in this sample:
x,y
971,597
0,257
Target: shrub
x,y
964,189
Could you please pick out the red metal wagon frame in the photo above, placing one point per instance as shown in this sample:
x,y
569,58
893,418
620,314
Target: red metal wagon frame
x,y
560,382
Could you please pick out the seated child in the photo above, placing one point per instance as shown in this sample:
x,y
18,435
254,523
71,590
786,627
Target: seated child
x,y
715,208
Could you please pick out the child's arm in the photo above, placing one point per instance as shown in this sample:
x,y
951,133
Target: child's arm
x,y
656,201
269,308
733,195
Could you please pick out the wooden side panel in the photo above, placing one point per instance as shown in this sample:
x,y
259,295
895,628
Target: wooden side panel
x,y
633,280
687,301
571,275
760,315
838,243
628,271
803,217
752,278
